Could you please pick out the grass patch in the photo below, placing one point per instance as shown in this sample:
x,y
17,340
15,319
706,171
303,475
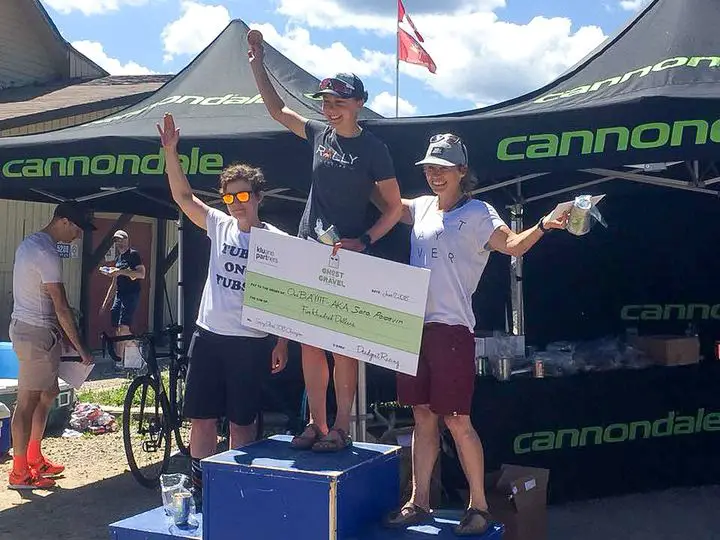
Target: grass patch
x,y
106,396
115,397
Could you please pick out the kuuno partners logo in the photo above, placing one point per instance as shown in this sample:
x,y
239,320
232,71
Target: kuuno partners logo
x,y
672,425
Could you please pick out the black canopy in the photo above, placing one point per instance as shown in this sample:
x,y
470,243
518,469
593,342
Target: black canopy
x,y
650,94
221,117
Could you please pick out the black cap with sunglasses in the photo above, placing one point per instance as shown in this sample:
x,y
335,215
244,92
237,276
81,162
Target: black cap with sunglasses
x,y
343,85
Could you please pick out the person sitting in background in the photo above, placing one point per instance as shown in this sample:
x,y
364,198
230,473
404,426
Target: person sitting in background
x,y
124,288
40,311
452,236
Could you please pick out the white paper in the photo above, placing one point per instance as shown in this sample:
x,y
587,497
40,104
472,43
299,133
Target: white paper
x,y
563,207
74,373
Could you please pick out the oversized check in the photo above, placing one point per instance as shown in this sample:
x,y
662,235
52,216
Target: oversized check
x,y
353,304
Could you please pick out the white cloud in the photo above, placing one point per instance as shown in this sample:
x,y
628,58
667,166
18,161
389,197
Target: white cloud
x,y
95,52
197,26
479,57
633,5
384,104
297,46
91,7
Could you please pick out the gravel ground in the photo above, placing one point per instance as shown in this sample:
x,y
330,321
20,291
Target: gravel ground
x,y
95,490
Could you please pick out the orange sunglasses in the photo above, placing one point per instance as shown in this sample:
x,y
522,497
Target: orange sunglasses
x,y
241,196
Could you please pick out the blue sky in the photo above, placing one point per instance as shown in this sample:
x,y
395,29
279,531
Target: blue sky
x,y
486,50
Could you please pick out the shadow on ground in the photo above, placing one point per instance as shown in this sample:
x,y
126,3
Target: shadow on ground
x,y
82,513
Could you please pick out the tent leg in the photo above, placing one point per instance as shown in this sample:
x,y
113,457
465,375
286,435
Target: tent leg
x,y
180,286
361,403
516,271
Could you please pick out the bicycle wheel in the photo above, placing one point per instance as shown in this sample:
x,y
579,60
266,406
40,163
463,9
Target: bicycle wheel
x,y
177,400
147,443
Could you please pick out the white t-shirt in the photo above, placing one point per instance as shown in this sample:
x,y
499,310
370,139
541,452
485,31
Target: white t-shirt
x,y
453,246
222,299
36,262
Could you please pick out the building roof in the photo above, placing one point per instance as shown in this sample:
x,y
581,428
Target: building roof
x,y
38,103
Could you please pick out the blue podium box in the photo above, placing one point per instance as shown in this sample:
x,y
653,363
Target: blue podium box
x,y
440,529
154,525
268,491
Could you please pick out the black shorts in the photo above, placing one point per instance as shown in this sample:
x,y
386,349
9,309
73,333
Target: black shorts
x,y
226,376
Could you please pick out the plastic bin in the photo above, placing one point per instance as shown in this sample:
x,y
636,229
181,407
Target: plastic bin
x,y
4,430
8,361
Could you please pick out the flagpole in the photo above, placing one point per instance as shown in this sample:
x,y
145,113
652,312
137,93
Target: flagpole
x,y
397,65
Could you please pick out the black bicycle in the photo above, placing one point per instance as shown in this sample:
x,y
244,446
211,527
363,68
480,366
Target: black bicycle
x,y
151,415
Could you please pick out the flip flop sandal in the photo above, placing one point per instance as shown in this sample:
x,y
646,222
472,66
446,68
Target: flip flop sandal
x,y
474,523
408,516
305,441
328,443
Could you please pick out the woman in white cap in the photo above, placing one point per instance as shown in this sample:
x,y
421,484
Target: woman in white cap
x,y
349,163
453,236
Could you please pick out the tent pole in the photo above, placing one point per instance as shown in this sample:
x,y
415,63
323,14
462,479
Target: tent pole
x,y
180,285
516,270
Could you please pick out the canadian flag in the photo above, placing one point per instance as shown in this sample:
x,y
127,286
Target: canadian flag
x,y
409,48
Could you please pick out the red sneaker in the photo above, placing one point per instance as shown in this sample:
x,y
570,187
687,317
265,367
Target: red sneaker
x,y
29,480
46,468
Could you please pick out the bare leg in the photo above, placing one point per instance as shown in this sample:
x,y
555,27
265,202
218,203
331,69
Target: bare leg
x,y
316,374
242,435
425,449
122,330
472,459
345,377
203,438
40,415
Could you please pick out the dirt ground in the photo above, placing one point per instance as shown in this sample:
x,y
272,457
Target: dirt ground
x,y
96,489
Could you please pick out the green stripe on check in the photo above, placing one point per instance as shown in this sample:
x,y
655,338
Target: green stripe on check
x,y
361,320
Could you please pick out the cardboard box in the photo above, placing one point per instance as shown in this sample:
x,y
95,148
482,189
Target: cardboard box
x,y
670,350
517,497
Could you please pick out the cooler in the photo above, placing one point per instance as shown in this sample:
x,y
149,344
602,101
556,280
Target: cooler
x,y
4,430
8,361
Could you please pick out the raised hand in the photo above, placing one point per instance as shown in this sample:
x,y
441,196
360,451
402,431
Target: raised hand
x,y
256,52
169,134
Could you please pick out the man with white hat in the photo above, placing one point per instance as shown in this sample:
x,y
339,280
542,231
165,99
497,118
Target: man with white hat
x,y
125,287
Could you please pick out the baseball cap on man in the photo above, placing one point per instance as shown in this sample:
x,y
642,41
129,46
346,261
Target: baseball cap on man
x,y
343,85
121,234
446,150
76,213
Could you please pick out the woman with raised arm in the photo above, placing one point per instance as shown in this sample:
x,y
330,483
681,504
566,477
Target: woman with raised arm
x,y
228,361
349,163
453,236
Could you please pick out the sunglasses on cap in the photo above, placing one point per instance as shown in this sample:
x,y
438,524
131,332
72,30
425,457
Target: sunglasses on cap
x,y
336,85
452,139
241,196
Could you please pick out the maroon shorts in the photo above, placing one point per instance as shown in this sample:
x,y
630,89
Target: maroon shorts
x,y
445,377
